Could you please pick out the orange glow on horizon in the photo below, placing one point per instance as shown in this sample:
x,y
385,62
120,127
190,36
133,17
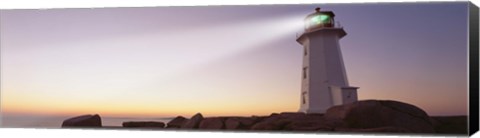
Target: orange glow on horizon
x,y
35,105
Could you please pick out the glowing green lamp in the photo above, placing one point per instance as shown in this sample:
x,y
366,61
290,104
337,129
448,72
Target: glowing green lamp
x,y
319,19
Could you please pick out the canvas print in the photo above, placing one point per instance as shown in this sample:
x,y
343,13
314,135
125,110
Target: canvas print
x,y
381,68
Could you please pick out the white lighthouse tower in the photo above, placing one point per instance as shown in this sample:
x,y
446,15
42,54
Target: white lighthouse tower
x,y
324,80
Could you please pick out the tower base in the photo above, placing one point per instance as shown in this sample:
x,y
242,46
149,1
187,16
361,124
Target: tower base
x,y
321,111
339,95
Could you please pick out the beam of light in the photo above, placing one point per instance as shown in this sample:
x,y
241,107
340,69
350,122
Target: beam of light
x,y
103,66
219,42
211,43
231,39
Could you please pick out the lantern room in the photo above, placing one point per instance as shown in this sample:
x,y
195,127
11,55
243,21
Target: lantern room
x,y
319,19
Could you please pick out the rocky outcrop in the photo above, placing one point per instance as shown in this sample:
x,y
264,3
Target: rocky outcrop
x,y
214,123
377,114
307,126
450,124
240,123
177,122
370,116
83,121
270,124
388,129
150,124
296,122
194,122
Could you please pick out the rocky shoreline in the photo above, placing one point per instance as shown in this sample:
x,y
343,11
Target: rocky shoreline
x,y
379,116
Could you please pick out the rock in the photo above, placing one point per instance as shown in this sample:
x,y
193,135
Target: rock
x,y
194,122
300,117
259,118
382,113
296,121
232,124
270,125
212,123
83,121
311,122
239,123
275,121
177,122
450,124
293,115
151,124
388,129
307,126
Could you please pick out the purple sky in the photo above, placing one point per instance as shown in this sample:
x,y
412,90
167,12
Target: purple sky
x,y
224,60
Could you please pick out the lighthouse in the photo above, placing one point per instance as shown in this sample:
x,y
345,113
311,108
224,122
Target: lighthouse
x,y
324,78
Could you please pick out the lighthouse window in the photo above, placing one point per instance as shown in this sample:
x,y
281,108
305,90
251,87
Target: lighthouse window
x,y
305,50
303,98
304,72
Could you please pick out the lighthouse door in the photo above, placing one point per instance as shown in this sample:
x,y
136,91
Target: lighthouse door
x,y
304,98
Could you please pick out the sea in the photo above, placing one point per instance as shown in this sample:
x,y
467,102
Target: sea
x,y
26,121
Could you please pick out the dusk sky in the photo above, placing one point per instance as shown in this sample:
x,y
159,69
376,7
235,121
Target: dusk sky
x,y
224,60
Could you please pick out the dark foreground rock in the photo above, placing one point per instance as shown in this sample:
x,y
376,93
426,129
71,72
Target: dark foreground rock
x,y
240,123
214,123
177,122
450,124
369,116
194,122
388,129
297,122
83,121
149,124
376,114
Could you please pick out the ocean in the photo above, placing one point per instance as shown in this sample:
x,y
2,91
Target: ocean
x,y
24,121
